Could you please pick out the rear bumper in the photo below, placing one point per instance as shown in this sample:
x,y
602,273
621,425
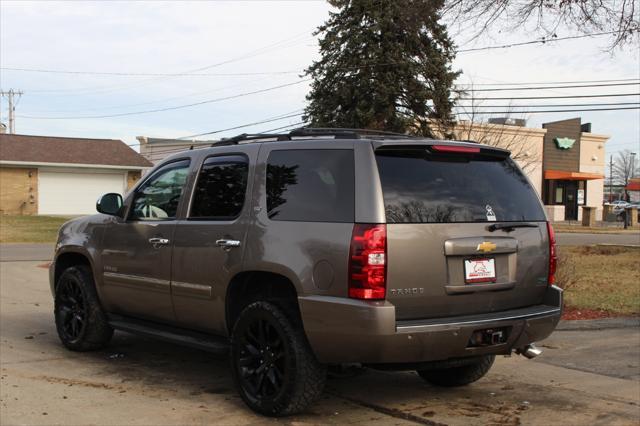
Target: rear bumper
x,y
344,330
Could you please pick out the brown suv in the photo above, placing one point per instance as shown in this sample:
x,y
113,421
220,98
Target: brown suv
x,y
314,248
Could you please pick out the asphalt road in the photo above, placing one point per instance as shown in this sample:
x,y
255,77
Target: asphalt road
x,y
25,251
584,377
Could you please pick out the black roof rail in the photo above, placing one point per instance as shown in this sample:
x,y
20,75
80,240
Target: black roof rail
x,y
341,132
336,132
234,140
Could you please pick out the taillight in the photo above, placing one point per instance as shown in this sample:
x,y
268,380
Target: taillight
x,y
368,262
553,255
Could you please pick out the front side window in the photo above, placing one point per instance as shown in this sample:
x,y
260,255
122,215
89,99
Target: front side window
x,y
159,196
221,187
311,185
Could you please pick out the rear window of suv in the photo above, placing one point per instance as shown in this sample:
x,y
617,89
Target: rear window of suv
x,y
311,185
421,187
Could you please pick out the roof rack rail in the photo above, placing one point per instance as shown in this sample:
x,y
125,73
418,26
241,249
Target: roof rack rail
x,y
234,140
314,131
336,132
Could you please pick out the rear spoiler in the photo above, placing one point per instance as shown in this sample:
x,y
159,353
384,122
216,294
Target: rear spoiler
x,y
444,147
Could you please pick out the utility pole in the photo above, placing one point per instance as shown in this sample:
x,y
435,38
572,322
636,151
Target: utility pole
x,y
12,107
610,178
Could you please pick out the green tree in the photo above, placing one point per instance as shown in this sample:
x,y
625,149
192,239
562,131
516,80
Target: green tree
x,y
385,65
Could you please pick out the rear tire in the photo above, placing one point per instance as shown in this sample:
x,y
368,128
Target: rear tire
x,y
274,369
80,321
459,376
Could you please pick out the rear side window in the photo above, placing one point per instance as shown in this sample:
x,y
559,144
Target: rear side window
x,y
311,185
419,187
220,190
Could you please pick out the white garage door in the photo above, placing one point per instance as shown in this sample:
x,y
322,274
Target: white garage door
x,y
75,193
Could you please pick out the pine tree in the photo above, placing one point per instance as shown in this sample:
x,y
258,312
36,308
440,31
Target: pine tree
x,y
385,65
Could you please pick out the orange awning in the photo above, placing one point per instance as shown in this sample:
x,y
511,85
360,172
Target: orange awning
x,y
560,175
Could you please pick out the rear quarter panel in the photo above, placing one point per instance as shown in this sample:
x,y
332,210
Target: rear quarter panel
x,y
312,255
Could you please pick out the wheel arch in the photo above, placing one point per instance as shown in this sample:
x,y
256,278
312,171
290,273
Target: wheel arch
x,y
67,259
250,286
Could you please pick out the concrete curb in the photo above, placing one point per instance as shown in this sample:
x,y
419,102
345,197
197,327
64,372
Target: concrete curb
x,y
598,324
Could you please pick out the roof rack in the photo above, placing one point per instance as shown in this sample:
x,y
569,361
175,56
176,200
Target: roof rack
x,y
312,131
336,132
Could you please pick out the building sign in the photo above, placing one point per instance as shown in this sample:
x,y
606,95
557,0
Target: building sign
x,y
581,197
564,143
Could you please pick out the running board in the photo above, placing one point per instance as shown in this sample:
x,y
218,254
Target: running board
x,y
206,342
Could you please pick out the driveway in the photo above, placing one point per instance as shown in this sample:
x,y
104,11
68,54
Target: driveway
x,y
584,377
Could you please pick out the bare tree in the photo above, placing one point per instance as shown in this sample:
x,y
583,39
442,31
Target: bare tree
x,y
625,166
619,17
472,126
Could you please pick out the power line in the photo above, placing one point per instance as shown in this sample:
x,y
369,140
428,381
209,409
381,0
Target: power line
x,y
194,72
542,40
269,120
549,111
554,97
204,144
548,105
549,82
235,85
548,87
280,44
169,108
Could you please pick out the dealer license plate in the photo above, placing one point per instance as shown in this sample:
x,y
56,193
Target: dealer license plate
x,y
480,270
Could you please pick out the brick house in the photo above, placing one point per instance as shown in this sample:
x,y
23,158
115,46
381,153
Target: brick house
x,y
63,176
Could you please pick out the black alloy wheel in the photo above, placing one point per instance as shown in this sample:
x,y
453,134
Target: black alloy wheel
x,y
273,366
262,361
80,321
72,310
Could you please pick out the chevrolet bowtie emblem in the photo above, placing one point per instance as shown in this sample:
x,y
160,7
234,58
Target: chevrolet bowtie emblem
x,y
486,247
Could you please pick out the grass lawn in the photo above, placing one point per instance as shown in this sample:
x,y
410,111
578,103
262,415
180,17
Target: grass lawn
x,y
601,278
30,229
596,230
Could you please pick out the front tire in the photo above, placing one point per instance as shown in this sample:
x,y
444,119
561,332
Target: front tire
x,y
461,375
80,321
274,369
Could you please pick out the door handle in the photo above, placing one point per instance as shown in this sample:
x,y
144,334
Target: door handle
x,y
227,244
157,242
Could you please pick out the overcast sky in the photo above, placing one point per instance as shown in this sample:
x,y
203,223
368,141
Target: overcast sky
x,y
271,43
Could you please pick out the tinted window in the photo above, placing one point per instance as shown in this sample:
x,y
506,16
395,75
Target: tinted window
x,y
310,185
422,188
158,197
220,190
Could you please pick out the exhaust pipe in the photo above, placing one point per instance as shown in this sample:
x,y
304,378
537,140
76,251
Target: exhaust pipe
x,y
530,351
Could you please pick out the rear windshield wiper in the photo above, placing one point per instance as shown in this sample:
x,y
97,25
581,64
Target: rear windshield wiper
x,y
510,226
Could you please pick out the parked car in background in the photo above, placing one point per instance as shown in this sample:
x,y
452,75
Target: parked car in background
x,y
619,206
298,251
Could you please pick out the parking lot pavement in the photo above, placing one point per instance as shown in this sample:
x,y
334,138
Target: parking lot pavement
x,y
139,381
575,239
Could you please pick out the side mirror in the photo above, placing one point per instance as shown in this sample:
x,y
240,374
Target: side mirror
x,y
110,204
